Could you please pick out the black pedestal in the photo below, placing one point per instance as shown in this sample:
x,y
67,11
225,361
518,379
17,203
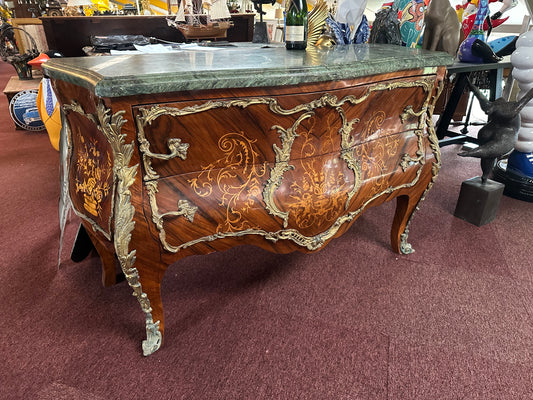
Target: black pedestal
x,y
478,202
260,33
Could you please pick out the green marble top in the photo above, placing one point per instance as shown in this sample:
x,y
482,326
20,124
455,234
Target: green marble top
x,y
245,65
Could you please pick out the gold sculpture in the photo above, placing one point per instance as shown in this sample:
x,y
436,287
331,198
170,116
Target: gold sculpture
x,y
316,21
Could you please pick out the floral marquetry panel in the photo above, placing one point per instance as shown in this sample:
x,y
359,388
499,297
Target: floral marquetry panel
x,y
91,171
292,167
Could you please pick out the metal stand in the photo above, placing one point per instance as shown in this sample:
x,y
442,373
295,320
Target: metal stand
x,y
260,28
260,33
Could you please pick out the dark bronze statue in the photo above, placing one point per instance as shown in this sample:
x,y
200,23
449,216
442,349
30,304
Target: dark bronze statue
x,y
386,27
498,136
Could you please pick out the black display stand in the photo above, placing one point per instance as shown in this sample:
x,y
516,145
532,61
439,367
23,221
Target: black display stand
x,y
478,202
260,28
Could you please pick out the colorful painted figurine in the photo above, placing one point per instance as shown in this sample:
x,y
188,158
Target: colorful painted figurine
x,y
412,14
474,49
467,11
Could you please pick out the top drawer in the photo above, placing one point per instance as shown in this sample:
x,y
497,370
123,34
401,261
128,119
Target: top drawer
x,y
183,137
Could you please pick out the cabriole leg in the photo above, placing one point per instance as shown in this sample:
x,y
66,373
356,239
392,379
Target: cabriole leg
x,y
405,207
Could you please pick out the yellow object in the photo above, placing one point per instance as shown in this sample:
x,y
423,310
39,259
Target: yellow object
x,y
88,11
154,7
459,12
5,12
52,122
101,5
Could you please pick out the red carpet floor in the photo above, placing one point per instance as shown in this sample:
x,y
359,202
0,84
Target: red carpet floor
x,y
454,320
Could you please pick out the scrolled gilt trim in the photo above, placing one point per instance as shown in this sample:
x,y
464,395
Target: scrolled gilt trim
x,y
309,242
408,111
432,136
282,161
185,209
124,214
427,122
282,165
177,149
347,144
124,211
407,160
405,247
175,145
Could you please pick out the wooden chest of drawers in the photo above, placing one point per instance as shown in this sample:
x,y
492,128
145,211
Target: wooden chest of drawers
x,y
164,175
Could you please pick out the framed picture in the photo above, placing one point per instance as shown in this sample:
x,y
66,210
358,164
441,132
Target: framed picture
x,y
34,28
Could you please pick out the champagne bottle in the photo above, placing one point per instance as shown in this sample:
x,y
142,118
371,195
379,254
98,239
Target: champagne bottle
x,y
296,25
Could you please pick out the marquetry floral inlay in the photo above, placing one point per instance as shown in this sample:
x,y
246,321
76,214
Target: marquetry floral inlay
x,y
237,179
93,175
319,195
301,196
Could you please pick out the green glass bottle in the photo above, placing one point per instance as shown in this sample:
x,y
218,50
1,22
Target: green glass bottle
x,y
296,25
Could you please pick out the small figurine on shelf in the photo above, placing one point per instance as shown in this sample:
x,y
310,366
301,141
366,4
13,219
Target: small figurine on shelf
x,y
233,6
53,8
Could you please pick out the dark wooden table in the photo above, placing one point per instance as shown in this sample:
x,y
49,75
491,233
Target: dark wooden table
x,y
69,35
462,72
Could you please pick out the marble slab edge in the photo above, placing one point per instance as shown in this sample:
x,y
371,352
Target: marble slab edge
x,y
116,85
